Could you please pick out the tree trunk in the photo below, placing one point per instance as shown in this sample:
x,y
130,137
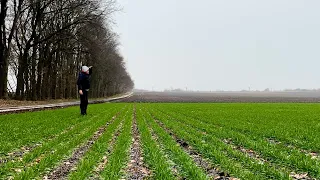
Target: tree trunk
x,y
33,74
3,53
20,79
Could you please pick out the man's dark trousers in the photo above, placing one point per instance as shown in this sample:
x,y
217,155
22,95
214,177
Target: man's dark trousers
x,y
84,102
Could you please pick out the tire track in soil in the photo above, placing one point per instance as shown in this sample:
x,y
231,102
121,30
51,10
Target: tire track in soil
x,y
212,172
136,169
254,155
63,170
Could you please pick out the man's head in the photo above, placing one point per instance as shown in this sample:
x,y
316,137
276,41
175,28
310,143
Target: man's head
x,y
85,69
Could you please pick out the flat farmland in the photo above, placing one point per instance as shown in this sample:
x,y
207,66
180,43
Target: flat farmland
x,y
214,97
164,141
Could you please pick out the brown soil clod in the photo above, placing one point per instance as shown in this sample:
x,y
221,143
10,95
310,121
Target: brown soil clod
x,y
136,169
62,171
211,171
182,143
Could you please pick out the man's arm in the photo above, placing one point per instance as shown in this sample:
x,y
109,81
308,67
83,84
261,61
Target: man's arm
x,y
79,83
90,70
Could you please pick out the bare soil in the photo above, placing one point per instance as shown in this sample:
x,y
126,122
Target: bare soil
x,y
102,164
312,154
174,167
13,106
252,154
136,168
224,97
19,153
212,172
16,103
62,171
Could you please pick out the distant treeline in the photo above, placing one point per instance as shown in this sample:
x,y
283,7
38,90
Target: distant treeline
x,y
43,44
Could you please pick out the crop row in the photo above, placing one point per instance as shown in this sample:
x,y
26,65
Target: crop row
x,y
162,141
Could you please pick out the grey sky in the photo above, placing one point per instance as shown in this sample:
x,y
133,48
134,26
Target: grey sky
x,y
221,44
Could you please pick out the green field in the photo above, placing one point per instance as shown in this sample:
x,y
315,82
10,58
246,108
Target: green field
x,y
174,141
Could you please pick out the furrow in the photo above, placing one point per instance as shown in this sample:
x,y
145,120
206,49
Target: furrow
x,y
62,171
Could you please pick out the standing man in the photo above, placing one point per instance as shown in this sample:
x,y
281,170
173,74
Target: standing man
x,y
83,87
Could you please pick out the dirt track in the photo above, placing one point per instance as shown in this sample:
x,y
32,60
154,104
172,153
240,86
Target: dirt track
x,y
20,109
303,97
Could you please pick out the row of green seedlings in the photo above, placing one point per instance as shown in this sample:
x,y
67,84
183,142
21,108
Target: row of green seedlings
x,y
220,154
311,153
31,156
27,129
97,162
49,154
294,130
66,148
154,157
136,168
36,126
187,168
275,155
54,131
64,168
239,148
119,157
212,171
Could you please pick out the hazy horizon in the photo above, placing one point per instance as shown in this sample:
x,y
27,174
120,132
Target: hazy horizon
x,y
221,45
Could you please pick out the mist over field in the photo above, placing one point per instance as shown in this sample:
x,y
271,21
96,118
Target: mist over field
x,y
221,45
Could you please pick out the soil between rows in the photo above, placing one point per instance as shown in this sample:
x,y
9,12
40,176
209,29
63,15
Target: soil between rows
x,y
136,168
63,170
209,168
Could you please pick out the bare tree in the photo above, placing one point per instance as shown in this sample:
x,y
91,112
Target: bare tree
x,y
51,39
6,36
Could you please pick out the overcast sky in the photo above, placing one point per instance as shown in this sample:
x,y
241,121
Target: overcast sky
x,y
221,44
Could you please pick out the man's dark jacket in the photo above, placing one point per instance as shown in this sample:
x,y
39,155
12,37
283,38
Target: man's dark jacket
x,y
84,80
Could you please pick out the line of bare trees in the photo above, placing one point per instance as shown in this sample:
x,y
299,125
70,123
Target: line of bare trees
x,y
43,43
